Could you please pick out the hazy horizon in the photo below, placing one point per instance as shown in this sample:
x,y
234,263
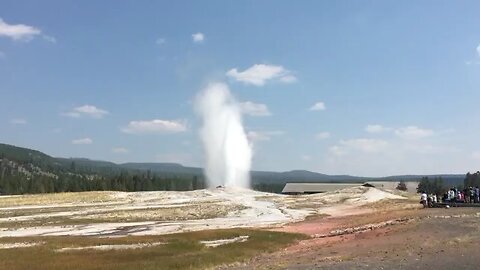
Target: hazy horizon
x,y
253,170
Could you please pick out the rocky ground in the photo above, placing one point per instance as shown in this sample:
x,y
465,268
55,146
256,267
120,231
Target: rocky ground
x,y
156,213
399,239
355,228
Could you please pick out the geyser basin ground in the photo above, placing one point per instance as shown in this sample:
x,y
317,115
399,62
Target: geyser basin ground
x,y
155,213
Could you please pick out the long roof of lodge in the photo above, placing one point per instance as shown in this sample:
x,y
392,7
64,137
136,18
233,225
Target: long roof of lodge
x,y
316,187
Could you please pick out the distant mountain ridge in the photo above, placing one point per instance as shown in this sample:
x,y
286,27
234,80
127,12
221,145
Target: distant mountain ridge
x,y
50,164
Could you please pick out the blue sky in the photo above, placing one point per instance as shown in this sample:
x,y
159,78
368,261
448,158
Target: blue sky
x,y
341,87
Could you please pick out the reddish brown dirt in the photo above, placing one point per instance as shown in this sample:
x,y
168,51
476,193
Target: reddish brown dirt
x,y
428,241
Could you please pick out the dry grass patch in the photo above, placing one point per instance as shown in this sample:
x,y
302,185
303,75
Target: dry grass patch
x,y
191,212
57,198
180,251
36,211
393,204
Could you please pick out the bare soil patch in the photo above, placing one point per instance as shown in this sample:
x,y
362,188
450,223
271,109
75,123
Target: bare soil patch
x,y
434,239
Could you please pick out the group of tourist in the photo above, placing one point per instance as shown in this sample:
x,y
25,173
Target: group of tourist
x,y
428,200
468,195
453,195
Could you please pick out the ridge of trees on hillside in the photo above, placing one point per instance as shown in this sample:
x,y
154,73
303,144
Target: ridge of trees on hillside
x,y
18,180
24,171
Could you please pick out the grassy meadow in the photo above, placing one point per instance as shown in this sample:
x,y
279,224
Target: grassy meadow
x,y
175,251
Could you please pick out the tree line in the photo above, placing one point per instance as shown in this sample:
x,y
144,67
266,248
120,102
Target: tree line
x,y
16,181
76,183
432,186
472,179
437,186
74,178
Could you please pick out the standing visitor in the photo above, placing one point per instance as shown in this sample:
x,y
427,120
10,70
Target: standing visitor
x,y
477,195
471,193
451,195
423,199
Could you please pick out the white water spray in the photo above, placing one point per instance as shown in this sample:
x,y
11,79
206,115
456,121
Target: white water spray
x,y
228,153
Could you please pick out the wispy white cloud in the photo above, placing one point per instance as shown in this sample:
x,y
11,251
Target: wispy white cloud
x,y
22,32
18,121
257,136
376,129
259,74
156,126
87,111
474,61
361,145
337,150
254,136
413,133
18,31
198,37
288,79
49,38
406,133
120,150
365,145
406,150
254,109
322,135
406,140
395,155
319,106
160,41
82,141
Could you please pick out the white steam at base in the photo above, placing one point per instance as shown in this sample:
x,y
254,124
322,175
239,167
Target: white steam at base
x,y
228,153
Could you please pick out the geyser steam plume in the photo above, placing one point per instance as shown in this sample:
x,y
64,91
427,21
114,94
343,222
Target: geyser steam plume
x,y
228,152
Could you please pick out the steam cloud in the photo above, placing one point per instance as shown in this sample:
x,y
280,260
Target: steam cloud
x,y
228,153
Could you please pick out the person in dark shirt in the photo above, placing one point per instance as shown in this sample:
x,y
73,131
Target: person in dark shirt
x,y
471,193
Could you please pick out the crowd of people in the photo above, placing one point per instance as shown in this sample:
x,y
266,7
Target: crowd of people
x,y
453,195
428,200
468,195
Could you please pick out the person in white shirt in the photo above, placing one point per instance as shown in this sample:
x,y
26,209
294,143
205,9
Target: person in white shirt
x,y
451,195
423,199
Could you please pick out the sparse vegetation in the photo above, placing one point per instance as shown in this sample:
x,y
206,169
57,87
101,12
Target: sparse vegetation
x,y
99,207
180,251
56,198
402,186
435,186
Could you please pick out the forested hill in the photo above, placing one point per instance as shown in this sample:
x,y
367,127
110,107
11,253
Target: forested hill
x,y
29,171
25,170
35,161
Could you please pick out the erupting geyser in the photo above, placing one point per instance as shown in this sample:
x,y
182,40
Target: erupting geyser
x,y
228,152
